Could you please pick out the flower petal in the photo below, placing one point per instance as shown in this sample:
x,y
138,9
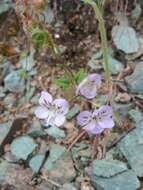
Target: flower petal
x,y
41,112
93,128
59,120
105,111
94,78
84,118
88,91
49,121
107,123
45,99
62,106
82,83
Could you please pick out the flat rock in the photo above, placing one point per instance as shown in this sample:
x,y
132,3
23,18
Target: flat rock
x,y
22,147
125,38
131,147
135,115
14,82
36,162
5,167
123,181
68,186
7,130
115,65
61,169
134,81
108,168
55,132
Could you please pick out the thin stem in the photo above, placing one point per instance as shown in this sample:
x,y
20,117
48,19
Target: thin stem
x,y
95,145
103,39
80,135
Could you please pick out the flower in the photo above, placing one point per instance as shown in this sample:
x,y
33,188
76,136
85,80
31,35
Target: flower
x,y
95,122
51,112
88,87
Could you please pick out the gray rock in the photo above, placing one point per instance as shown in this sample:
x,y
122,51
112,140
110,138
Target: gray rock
x,y
7,130
36,129
73,111
125,38
36,162
132,148
9,101
68,186
108,168
115,66
5,167
122,109
55,132
14,82
22,147
135,115
62,170
56,152
134,81
123,181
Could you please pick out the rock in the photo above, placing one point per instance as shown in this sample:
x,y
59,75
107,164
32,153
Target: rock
x,y
108,168
122,109
14,82
36,162
59,167
135,56
55,132
36,129
22,147
2,93
19,177
68,186
131,147
135,115
7,130
115,66
126,180
134,81
5,6
124,36
73,111
56,152
5,167
123,98
9,101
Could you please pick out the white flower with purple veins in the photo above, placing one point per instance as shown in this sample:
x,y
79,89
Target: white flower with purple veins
x,y
95,122
51,112
88,87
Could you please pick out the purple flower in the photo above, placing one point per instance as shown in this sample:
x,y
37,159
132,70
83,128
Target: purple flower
x,y
51,112
95,122
88,87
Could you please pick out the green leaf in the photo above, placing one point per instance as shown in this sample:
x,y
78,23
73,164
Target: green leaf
x,y
40,38
79,75
63,82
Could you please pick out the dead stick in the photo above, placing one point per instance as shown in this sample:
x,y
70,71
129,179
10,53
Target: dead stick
x,y
95,145
76,139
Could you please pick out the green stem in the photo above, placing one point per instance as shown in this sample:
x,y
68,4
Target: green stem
x,y
103,39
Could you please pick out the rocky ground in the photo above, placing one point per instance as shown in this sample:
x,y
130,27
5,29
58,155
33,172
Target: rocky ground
x,y
35,157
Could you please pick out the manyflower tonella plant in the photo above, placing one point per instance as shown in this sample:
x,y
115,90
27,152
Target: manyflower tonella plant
x,y
88,87
95,122
51,112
